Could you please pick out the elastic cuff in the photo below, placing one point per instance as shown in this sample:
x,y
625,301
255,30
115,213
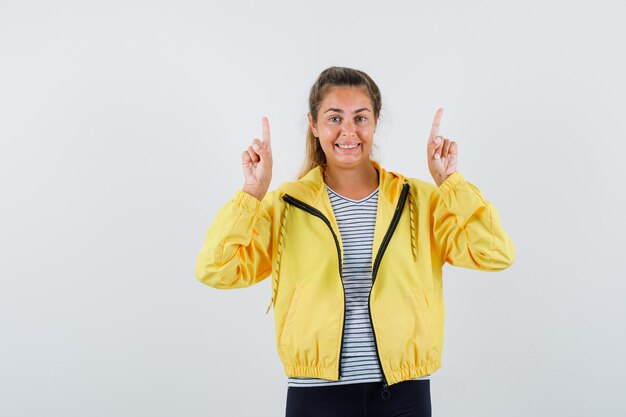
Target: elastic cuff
x,y
452,181
245,200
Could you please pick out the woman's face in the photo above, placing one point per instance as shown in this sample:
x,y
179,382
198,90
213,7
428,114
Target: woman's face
x,y
345,126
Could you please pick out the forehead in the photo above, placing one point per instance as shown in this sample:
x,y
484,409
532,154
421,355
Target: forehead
x,y
346,97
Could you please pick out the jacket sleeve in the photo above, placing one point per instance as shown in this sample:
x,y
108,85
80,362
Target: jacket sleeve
x,y
466,228
237,250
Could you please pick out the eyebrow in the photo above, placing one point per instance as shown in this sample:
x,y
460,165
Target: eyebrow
x,y
341,111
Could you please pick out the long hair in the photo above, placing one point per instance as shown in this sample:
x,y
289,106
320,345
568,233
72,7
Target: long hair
x,y
334,77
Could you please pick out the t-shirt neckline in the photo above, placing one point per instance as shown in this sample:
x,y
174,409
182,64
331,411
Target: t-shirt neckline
x,y
350,199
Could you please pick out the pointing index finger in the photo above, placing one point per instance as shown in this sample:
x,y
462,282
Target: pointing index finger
x,y
266,131
434,131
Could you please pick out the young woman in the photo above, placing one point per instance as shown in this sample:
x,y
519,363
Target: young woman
x,y
355,253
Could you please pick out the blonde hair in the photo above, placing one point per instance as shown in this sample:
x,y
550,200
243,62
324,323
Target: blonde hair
x,y
334,77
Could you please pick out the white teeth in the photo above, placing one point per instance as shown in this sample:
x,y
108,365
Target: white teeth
x,y
347,146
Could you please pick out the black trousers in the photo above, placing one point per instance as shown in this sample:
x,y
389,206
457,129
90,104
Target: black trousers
x,y
367,399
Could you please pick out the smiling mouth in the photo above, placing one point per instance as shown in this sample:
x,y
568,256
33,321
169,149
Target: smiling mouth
x,y
348,147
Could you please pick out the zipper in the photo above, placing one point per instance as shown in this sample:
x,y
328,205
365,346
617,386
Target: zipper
x,y
312,210
392,227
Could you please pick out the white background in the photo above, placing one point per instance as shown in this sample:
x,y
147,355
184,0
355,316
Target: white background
x,y
122,125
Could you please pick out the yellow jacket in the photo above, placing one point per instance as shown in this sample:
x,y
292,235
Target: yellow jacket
x,y
293,235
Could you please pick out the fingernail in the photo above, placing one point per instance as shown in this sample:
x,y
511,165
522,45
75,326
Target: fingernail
x,y
256,147
437,140
436,156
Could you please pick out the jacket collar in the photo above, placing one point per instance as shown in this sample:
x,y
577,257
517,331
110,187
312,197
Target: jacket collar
x,y
311,190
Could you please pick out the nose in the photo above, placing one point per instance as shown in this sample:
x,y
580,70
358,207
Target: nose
x,y
348,129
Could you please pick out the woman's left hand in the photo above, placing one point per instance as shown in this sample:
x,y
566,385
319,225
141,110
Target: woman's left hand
x,y
442,153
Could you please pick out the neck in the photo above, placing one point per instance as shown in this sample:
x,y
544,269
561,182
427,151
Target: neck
x,y
362,176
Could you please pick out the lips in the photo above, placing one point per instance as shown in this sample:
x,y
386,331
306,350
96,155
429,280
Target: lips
x,y
348,144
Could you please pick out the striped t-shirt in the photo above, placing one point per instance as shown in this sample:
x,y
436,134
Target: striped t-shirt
x,y
356,220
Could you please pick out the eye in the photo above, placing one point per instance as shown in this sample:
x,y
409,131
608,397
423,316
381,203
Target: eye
x,y
361,118
334,118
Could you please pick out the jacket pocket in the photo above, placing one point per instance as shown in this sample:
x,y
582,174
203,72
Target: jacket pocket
x,y
289,317
424,311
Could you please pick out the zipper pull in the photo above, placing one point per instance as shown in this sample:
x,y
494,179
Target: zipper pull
x,y
385,394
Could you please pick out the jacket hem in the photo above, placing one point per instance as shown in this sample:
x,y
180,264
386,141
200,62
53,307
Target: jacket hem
x,y
329,373
409,372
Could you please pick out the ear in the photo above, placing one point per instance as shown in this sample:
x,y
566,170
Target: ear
x,y
312,125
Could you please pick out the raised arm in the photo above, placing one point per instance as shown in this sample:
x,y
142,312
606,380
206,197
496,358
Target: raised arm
x,y
466,227
237,250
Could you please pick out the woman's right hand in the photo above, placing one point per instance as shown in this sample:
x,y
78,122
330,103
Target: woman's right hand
x,y
257,164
